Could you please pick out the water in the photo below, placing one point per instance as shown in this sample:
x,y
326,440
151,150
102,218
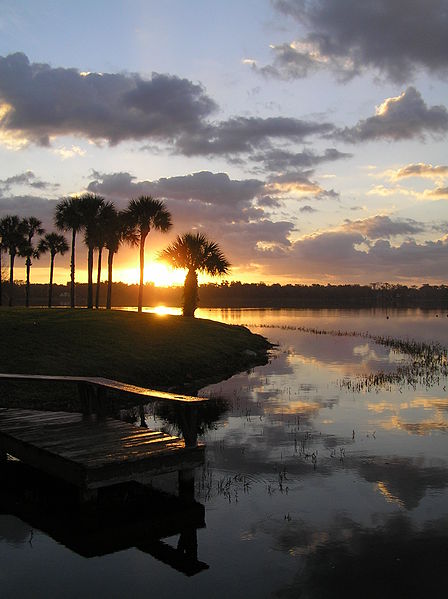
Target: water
x,y
310,489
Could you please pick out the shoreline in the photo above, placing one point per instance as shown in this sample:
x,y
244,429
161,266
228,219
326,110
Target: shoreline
x,y
168,353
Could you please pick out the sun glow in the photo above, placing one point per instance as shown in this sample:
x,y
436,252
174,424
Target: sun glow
x,y
155,272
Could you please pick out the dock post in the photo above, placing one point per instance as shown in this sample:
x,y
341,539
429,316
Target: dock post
x,y
186,484
3,457
88,496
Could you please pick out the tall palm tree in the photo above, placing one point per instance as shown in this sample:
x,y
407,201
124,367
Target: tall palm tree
x,y
106,214
117,230
33,227
90,205
13,240
142,215
55,244
196,253
68,217
2,249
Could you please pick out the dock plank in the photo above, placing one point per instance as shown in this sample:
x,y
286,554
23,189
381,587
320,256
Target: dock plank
x,y
91,453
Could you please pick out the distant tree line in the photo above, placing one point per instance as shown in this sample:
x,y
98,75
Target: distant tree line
x,y
255,295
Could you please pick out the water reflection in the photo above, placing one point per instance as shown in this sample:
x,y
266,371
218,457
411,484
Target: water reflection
x,y
393,559
327,490
30,500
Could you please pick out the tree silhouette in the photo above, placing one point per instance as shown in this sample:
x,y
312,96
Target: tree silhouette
x,y
106,214
116,230
196,253
55,244
2,249
142,215
14,239
68,217
33,226
90,206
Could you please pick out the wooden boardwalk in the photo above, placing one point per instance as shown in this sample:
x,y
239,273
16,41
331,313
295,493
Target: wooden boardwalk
x,y
91,451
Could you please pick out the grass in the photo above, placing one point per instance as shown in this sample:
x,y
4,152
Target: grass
x,y
169,352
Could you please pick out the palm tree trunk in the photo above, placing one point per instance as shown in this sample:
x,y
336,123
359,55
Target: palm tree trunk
x,y
110,259
90,278
98,278
11,279
72,271
142,268
27,286
50,286
1,279
190,294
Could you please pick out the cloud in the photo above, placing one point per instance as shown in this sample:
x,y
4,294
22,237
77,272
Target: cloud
x,y
348,37
245,134
419,169
28,205
38,102
28,179
277,159
377,227
235,212
339,255
440,192
204,186
403,117
308,209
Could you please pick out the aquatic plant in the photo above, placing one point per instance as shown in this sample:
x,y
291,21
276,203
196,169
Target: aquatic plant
x,y
427,363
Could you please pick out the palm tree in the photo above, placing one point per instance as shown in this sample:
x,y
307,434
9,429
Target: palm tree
x,y
55,244
33,227
142,215
116,231
195,252
2,249
106,214
90,205
13,240
68,217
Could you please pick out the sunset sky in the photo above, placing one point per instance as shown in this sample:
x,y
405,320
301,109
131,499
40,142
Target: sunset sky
x,y
307,137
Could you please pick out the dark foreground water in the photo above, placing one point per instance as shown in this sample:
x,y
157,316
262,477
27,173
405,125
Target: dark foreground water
x,y
317,482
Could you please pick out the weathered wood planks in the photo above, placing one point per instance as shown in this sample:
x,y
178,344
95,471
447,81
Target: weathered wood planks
x,y
92,452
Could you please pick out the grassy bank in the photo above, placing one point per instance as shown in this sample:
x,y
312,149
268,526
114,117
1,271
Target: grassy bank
x,y
167,352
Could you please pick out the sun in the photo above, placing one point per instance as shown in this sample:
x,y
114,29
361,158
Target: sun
x,y
155,272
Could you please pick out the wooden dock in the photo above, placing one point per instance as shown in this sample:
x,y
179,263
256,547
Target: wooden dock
x,y
91,451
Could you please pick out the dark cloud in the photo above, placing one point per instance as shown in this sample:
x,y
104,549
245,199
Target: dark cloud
x,y
204,186
405,117
348,37
27,178
277,159
245,134
377,227
46,101
27,205
308,209
40,102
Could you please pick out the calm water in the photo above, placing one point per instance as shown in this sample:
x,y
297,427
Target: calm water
x,y
310,489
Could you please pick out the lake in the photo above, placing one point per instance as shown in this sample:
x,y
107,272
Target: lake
x,y
319,481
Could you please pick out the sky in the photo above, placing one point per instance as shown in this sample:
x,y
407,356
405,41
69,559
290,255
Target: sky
x,y
306,137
